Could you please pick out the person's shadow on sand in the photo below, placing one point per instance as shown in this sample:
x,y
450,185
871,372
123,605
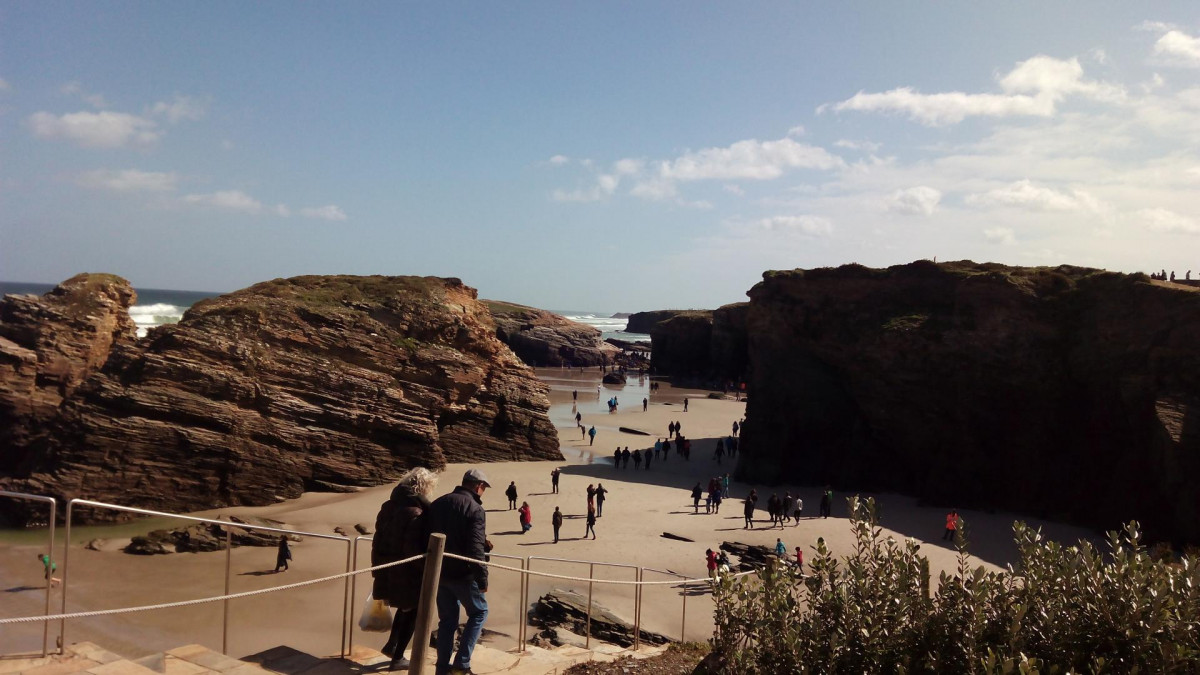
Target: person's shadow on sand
x,y
19,589
499,534
257,573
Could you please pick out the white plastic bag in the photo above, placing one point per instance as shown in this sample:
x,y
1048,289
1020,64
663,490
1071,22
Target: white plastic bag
x,y
376,616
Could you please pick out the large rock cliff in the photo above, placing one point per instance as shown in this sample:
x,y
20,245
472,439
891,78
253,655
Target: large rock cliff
x,y
290,385
1065,392
644,322
542,338
707,344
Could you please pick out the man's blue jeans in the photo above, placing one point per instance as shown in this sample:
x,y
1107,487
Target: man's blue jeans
x,y
451,593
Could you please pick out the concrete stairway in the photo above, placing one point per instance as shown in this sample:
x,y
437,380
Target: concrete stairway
x,y
86,657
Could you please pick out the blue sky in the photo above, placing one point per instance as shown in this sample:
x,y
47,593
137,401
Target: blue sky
x,y
609,156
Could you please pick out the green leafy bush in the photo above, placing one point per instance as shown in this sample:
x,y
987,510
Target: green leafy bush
x,y
1062,609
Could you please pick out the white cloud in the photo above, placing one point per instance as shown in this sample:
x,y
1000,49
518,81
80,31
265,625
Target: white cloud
x,y
1098,55
796,131
733,189
129,180
1033,87
1179,48
919,201
233,200
179,108
1024,194
76,89
657,189
559,160
628,167
865,146
1156,26
748,160
1165,220
329,212
806,225
96,130
1001,235
282,210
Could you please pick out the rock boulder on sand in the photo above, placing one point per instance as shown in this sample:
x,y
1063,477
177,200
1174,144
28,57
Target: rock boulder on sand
x,y
568,609
259,395
544,338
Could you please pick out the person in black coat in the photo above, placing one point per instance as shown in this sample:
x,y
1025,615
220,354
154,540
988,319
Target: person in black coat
x,y
283,555
401,532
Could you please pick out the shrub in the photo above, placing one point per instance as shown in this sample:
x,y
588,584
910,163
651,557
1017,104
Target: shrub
x,y
1062,609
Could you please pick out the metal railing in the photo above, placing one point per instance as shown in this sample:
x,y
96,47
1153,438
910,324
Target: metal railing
x,y
523,602
228,528
49,563
683,612
591,575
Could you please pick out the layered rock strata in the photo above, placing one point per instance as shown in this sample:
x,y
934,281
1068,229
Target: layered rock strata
x,y
296,384
543,338
1062,392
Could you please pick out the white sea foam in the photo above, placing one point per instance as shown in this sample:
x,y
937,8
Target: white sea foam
x,y
609,326
158,314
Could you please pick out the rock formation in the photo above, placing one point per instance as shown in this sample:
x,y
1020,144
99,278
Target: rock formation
x,y
51,344
569,610
543,338
308,383
681,344
1061,392
644,322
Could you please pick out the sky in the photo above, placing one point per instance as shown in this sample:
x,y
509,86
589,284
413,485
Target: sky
x,y
601,156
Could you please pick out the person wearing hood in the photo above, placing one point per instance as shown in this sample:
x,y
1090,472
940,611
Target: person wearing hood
x,y
400,532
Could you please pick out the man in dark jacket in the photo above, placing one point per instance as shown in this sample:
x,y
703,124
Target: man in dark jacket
x,y
460,516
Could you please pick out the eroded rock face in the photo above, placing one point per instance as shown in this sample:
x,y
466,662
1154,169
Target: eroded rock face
x,y
681,345
1065,392
644,322
296,384
542,338
51,344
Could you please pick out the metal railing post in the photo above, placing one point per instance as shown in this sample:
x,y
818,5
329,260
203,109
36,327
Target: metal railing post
x,y
587,642
683,623
49,555
225,602
425,608
525,604
62,623
354,589
637,612
346,604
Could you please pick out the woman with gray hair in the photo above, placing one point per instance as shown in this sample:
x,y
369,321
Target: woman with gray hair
x,y
400,532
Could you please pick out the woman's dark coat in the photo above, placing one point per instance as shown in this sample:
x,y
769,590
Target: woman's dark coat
x,y
400,532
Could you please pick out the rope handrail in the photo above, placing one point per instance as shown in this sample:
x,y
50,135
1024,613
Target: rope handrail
x,y
597,581
343,575
201,601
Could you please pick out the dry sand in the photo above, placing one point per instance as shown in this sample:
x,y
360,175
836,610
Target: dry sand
x,y
641,506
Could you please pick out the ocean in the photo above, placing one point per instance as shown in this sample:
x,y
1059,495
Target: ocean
x,y
156,307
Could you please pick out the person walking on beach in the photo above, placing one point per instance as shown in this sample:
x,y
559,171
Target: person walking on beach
x,y
773,508
789,506
591,495
579,418
826,502
725,486
591,523
716,500
799,560
670,430
460,516
556,520
574,394
52,567
645,404
685,404
666,447
600,492
735,427
617,458
637,459
748,510
526,517
625,458
799,510
554,480
400,532
780,550
592,433
710,561
657,448
697,493
511,493
649,455
951,525
283,555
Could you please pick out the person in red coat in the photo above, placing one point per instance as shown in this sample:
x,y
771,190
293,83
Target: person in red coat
x,y
526,517
401,532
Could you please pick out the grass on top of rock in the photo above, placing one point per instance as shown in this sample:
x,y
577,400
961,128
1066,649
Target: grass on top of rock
x,y
343,289
1062,609
508,309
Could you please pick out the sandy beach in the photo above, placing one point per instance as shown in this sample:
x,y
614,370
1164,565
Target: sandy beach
x,y
641,506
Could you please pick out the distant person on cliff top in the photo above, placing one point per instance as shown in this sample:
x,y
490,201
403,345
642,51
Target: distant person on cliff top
x,y
697,493
283,555
592,435
511,493
556,520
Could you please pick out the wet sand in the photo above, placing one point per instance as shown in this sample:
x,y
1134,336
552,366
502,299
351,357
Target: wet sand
x,y
641,506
